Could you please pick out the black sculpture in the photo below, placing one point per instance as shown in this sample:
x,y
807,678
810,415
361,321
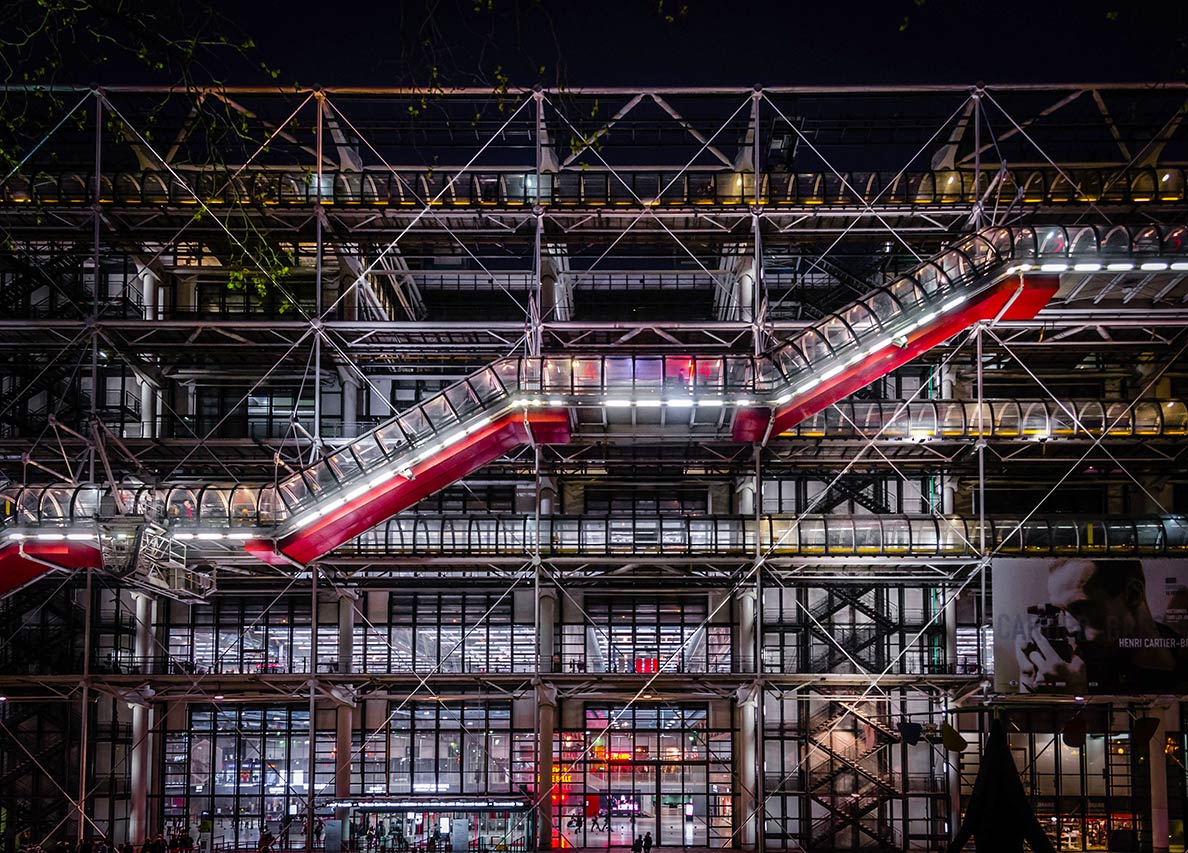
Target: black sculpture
x,y
998,816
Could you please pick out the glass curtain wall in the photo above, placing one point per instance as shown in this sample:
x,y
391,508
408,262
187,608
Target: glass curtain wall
x,y
637,634
246,765
240,635
455,747
648,768
474,632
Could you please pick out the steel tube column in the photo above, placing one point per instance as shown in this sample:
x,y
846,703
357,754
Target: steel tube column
x,y
546,715
140,769
747,820
150,288
1157,766
344,714
312,754
548,625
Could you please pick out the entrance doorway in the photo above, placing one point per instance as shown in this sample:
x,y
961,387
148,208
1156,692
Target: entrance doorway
x,y
439,825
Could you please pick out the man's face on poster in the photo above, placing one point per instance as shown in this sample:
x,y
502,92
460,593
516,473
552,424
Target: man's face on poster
x,y
1091,614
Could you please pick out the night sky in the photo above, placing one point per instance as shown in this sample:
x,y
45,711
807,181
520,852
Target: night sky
x,y
615,42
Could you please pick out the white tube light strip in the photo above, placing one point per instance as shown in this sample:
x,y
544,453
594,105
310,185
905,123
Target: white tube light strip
x,y
926,319
675,403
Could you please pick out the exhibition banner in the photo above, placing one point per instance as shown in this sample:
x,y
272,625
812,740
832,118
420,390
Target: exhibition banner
x,y
1081,627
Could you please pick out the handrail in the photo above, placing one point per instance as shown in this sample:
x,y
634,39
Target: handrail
x,y
897,535
596,187
254,505
784,535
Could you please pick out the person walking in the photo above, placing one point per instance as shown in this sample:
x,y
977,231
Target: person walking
x,y
637,844
647,843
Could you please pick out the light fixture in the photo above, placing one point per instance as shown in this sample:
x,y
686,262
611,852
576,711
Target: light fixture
x,y
1087,266
616,404
1053,267
51,537
556,401
1153,266
1119,266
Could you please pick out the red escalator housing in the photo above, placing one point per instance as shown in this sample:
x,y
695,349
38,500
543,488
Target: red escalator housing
x,y
17,569
1021,298
429,476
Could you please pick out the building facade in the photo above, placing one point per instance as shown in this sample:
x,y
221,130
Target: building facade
x,y
479,470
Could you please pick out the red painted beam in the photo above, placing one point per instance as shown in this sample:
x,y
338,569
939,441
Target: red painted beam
x,y
17,570
429,476
1005,298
